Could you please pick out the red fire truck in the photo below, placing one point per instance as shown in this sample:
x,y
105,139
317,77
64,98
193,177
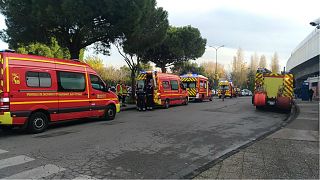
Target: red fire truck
x,y
35,91
197,86
168,89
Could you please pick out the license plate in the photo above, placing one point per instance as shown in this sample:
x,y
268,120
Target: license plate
x,y
272,103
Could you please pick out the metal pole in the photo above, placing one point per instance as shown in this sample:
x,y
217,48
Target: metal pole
x,y
216,69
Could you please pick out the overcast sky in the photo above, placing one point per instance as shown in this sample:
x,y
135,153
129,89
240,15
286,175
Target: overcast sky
x,y
262,26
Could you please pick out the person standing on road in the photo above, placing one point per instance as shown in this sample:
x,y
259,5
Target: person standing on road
x,y
141,98
124,94
149,93
119,91
311,94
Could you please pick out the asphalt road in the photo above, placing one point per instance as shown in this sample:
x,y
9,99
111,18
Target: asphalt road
x,y
164,143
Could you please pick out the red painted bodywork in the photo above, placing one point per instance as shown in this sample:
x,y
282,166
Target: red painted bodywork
x,y
25,99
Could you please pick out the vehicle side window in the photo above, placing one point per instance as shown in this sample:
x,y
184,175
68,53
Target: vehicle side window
x,y
96,82
165,85
205,84
174,85
71,82
38,79
201,84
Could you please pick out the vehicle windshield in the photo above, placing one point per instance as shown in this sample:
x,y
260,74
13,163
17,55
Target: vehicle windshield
x,y
189,84
140,84
224,87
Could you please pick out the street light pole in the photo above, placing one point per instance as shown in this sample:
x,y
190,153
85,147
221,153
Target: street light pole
x,y
216,69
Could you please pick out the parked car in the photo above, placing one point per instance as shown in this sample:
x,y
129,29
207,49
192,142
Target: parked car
x,y
246,92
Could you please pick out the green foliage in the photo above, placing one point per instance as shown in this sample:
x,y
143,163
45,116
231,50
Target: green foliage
x,y
109,74
187,67
181,44
145,66
52,50
75,24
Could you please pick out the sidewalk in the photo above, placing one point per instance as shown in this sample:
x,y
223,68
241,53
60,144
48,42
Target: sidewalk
x,y
291,152
128,107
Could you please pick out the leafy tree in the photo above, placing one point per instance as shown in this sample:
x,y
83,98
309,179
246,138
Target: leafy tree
x,y
275,63
150,30
181,44
52,50
145,66
187,67
75,24
96,63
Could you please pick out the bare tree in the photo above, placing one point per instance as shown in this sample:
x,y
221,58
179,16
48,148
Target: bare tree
x,y
263,61
275,63
254,62
239,68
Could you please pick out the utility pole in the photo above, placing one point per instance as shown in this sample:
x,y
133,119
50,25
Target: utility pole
x,y
216,69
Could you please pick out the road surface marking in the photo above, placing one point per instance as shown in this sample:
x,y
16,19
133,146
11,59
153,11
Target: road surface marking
x,y
84,177
3,151
37,173
14,161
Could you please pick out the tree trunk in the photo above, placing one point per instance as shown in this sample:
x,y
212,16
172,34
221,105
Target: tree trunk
x,y
133,83
74,53
163,68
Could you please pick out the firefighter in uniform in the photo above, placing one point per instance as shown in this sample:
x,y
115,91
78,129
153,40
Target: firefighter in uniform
x,y
149,94
141,98
124,94
119,91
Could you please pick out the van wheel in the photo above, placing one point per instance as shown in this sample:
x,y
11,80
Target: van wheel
x,y
38,122
186,101
166,104
110,113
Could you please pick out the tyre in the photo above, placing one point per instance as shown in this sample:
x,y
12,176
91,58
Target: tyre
x,y
259,107
210,99
166,104
186,101
110,113
38,122
219,97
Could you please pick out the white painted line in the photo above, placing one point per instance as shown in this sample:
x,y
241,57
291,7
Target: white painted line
x,y
3,151
84,177
14,161
37,173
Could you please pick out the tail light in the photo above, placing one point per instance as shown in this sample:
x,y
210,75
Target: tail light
x,y
4,102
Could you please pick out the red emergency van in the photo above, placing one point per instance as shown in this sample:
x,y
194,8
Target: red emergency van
x,y
168,88
197,86
35,91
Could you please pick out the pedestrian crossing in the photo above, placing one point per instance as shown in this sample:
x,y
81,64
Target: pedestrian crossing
x,y
32,173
